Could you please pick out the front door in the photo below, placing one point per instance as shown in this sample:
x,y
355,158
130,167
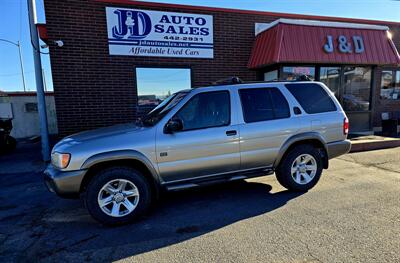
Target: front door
x,y
352,87
207,145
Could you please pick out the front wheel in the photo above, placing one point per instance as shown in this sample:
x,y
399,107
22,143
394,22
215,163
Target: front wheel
x,y
118,195
300,169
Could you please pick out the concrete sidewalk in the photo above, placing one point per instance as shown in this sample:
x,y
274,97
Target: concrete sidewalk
x,y
373,142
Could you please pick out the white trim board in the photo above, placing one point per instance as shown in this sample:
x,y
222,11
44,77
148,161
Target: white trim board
x,y
261,27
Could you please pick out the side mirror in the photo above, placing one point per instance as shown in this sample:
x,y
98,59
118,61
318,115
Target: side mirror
x,y
173,126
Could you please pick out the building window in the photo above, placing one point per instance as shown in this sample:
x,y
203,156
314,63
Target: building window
x,y
390,85
357,88
156,84
31,107
292,73
330,76
271,75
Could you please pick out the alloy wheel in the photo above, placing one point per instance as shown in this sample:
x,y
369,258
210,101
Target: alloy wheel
x,y
304,169
118,198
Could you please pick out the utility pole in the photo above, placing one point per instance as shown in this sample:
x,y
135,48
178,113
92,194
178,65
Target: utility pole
x,y
44,133
18,45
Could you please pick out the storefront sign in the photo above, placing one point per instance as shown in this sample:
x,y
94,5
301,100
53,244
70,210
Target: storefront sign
x,y
159,34
344,46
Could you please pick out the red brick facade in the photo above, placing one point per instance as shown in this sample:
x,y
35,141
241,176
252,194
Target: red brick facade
x,y
93,89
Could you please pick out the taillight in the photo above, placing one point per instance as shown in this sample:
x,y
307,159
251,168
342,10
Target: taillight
x,y
346,126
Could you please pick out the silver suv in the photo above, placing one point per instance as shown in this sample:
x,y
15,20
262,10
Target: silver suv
x,y
200,136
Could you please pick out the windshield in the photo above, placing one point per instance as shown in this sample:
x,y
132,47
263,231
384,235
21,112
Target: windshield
x,y
154,116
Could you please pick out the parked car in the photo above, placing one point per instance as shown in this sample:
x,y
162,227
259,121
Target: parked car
x,y
7,142
198,136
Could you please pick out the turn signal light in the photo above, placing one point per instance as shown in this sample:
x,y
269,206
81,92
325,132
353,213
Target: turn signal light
x,y
346,126
60,160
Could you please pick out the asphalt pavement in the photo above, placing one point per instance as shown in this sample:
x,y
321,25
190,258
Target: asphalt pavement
x,y
352,215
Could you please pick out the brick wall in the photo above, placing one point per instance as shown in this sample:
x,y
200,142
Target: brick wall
x,y
93,89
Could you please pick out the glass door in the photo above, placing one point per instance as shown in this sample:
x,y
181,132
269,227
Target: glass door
x,y
357,97
331,76
352,87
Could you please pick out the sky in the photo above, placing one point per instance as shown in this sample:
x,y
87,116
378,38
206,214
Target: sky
x,y
14,27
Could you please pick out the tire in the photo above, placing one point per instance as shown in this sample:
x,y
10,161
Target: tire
x,y
108,187
11,143
301,178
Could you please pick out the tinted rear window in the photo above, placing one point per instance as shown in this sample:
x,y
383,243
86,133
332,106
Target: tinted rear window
x,y
312,97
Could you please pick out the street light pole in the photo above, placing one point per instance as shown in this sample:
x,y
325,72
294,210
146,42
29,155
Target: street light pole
x,y
44,133
18,44
20,62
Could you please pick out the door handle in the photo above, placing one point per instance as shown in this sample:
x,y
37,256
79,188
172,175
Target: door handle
x,y
231,133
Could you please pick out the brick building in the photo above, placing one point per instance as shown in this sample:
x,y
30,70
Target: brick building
x,y
105,41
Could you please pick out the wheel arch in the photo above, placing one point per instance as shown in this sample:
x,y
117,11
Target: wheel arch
x,y
312,138
128,158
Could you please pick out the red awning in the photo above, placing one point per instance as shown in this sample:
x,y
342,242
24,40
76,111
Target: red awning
x,y
308,42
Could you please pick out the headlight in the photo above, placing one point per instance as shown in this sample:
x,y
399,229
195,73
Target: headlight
x,y
60,160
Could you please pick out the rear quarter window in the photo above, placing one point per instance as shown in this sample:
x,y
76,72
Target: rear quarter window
x,y
312,97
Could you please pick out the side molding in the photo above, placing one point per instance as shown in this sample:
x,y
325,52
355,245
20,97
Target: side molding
x,y
297,138
122,155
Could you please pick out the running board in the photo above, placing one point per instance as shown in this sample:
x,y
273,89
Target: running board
x,y
197,182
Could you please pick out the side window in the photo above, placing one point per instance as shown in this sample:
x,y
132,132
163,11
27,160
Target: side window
x,y
281,106
205,110
312,97
262,104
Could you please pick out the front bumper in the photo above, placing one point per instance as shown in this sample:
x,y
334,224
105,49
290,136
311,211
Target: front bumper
x,y
336,149
63,183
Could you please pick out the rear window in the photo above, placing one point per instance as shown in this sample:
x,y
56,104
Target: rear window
x,y
312,97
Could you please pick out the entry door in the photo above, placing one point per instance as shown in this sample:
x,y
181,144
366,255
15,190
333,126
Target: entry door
x,y
208,144
352,87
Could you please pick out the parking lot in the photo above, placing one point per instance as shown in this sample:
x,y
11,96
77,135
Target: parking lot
x,y
352,215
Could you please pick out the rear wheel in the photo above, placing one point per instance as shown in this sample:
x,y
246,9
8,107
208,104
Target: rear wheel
x,y
118,195
300,169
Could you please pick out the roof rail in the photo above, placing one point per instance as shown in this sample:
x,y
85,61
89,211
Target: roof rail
x,y
303,78
228,81
237,80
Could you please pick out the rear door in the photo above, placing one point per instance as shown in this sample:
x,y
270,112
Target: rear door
x,y
209,142
266,124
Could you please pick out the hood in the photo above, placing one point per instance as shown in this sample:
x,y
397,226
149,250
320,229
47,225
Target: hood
x,y
105,132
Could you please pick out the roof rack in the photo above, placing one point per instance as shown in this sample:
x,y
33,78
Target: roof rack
x,y
227,81
237,80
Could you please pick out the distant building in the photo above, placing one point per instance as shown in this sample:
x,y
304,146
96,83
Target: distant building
x,y
24,113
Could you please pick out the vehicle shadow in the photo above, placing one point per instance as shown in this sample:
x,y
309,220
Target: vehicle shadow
x,y
177,217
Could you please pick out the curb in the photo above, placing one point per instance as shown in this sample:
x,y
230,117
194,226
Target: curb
x,y
374,145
